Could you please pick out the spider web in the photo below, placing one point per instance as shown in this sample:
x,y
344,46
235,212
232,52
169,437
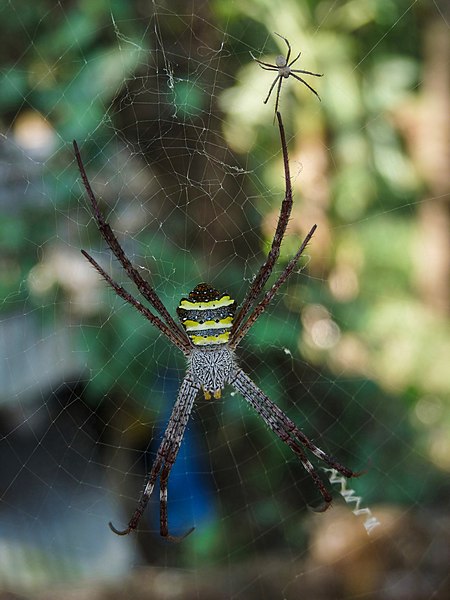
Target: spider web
x,y
165,102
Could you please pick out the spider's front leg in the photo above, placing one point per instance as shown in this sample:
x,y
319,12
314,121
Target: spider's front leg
x,y
288,55
165,459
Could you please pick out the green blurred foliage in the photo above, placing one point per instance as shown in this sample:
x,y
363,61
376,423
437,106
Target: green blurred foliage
x,y
93,71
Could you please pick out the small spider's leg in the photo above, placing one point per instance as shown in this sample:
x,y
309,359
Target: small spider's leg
x,y
262,64
306,72
270,68
287,44
295,59
278,77
266,269
166,455
120,291
307,84
108,235
261,306
278,97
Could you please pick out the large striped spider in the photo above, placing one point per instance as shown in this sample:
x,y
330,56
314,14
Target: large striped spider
x,y
284,70
208,338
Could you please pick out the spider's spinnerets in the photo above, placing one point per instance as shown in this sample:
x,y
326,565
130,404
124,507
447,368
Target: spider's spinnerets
x,y
207,315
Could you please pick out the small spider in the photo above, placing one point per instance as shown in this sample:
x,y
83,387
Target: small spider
x,y
208,338
283,66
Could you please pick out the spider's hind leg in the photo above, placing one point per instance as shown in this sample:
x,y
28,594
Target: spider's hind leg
x,y
163,519
165,459
288,432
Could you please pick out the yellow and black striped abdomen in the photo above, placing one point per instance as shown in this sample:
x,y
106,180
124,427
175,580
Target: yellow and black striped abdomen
x,y
207,315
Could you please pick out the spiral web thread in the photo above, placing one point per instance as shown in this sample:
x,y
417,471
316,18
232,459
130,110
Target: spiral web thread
x,y
349,496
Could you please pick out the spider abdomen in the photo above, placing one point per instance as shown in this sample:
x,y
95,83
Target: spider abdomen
x,y
207,315
212,367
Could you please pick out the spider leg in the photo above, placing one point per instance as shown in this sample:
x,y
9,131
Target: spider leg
x,y
295,59
278,77
163,519
278,97
266,269
165,459
145,289
122,292
269,68
261,63
287,431
261,306
307,84
306,72
287,44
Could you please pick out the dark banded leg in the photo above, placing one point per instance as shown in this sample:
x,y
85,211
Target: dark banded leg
x,y
108,235
165,458
266,299
288,431
120,291
266,269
